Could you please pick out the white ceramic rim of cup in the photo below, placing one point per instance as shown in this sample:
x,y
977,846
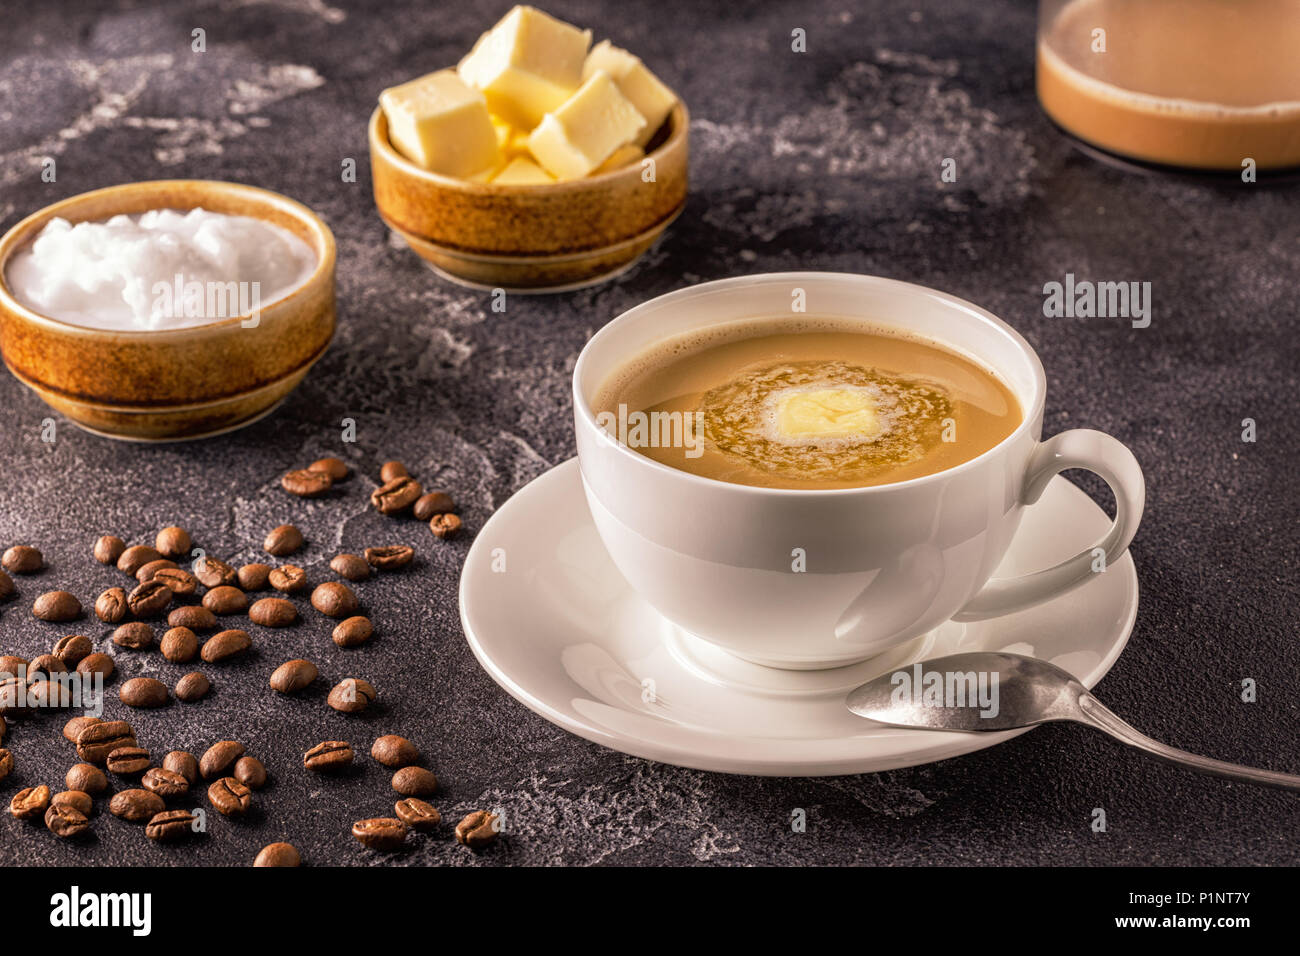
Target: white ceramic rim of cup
x,y
1031,411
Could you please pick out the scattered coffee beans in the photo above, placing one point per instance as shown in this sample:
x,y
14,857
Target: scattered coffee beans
x,y
13,666
173,542
224,645
213,573
353,632
278,854
395,496
444,526
166,783
250,772
392,469
193,686
149,599
30,803
43,665
143,692
351,696
77,799
57,606
65,821
390,557
73,728
225,599
180,645
87,778
433,503
134,635
183,763
292,676
253,577
381,833
415,782
193,616
137,806
137,556
108,548
127,761
307,484
73,649
417,814
110,607
170,825
288,579
350,566
97,741
334,599
334,467
394,751
180,581
219,758
230,797
49,695
96,663
478,829
273,612
282,541
329,756
22,559
6,763
147,571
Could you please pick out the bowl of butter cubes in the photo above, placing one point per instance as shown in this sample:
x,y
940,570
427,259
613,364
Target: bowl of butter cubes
x,y
539,163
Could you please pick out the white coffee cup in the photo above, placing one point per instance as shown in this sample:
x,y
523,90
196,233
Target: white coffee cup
x,y
883,564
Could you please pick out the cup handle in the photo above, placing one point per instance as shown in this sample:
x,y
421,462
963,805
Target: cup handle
x,y
1077,448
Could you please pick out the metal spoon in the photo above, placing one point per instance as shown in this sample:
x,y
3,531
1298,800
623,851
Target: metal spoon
x,y
993,691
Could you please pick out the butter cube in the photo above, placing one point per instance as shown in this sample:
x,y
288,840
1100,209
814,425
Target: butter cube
x,y
586,130
523,172
652,99
620,158
527,65
827,413
441,124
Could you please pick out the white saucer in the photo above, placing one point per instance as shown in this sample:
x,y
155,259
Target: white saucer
x,y
558,627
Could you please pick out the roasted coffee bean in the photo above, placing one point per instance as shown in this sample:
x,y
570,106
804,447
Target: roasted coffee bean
x,y
278,854
392,469
4,728
179,581
307,484
143,692
73,728
213,573
395,496
134,635
14,698
65,821
57,606
137,806
149,599
49,695
11,666
478,829
44,665
180,645
433,503
281,541
336,468
230,797
184,763
110,607
417,814
273,612
87,778
353,632
22,559
30,803
99,740
380,833
108,548
164,782
137,556
219,758
6,763
288,579
250,772
148,572
174,542
193,686
224,645
73,649
394,751
77,799
193,616
444,526
127,761
351,696
225,599
415,782
329,756
334,599
7,588
350,566
254,577
292,676
170,825
96,663
389,557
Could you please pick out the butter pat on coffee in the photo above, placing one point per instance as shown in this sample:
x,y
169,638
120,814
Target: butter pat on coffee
x,y
652,99
441,124
586,130
826,413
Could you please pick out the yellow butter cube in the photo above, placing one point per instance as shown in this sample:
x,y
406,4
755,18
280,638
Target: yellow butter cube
x,y
621,157
527,65
586,130
523,172
441,124
827,413
652,99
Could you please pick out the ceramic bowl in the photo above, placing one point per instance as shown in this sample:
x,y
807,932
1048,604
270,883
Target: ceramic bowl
x,y
532,238
174,383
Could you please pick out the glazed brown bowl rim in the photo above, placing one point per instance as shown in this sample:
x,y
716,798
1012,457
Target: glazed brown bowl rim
x,y
22,233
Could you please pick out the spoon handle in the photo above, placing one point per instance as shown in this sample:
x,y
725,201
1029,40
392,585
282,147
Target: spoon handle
x,y
1100,717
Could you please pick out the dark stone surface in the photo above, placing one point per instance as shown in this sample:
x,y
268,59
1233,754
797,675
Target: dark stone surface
x,y
828,160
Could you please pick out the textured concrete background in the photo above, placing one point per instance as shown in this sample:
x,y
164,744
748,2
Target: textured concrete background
x,y
827,160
